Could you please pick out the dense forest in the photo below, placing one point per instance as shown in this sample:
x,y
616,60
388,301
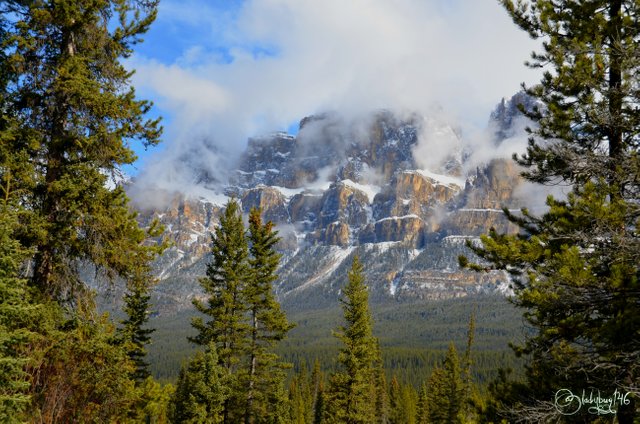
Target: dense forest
x,y
68,118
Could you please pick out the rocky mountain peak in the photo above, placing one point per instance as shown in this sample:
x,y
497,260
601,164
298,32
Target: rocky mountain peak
x,y
345,186
503,119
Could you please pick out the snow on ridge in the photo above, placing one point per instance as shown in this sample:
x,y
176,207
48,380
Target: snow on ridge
x,y
217,199
369,189
382,246
485,210
413,215
289,192
446,180
337,256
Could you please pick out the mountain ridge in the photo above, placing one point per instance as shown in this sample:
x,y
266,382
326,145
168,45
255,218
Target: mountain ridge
x,y
341,188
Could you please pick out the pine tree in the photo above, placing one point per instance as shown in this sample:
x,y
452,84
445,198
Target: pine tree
x,y
228,328
201,390
67,116
380,387
72,108
396,411
268,322
134,334
402,403
352,395
317,393
15,314
576,267
297,405
445,392
467,380
423,406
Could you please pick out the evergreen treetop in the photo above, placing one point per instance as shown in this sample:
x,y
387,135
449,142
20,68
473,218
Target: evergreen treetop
x,y
72,113
352,392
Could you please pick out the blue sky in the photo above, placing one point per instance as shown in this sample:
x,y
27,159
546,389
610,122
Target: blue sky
x,y
221,71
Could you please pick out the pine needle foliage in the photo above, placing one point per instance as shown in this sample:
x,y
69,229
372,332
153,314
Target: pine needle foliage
x,y
245,321
576,268
352,392
72,113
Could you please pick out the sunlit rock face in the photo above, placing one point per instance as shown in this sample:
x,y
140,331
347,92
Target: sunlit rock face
x,y
342,187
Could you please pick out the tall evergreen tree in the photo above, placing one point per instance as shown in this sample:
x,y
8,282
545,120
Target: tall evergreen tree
x,y
467,379
15,314
576,267
352,394
268,322
396,410
317,393
380,387
228,327
246,321
67,116
445,391
134,333
402,403
72,109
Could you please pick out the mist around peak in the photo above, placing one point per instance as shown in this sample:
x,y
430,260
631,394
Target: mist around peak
x,y
365,148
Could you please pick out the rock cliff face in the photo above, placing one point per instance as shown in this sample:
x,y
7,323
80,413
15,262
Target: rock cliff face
x,y
341,188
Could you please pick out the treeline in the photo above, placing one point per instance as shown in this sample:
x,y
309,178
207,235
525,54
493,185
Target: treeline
x,y
414,337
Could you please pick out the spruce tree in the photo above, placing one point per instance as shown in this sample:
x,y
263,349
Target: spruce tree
x,y
228,327
134,333
268,322
576,267
352,394
396,411
317,393
67,116
201,390
445,391
468,391
16,313
73,113
422,416
380,387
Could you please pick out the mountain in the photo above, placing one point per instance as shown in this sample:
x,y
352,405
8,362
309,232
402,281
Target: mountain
x,y
401,192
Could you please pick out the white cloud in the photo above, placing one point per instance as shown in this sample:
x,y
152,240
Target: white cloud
x,y
348,56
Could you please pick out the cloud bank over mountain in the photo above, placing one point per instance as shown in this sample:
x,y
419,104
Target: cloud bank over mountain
x,y
251,67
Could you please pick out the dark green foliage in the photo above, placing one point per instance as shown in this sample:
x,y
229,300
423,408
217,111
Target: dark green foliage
x,y
380,387
268,322
402,403
352,394
422,408
134,332
396,411
576,267
414,338
228,327
317,393
201,390
227,275
67,114
82,375
16,321
71,109
246,321
445,391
